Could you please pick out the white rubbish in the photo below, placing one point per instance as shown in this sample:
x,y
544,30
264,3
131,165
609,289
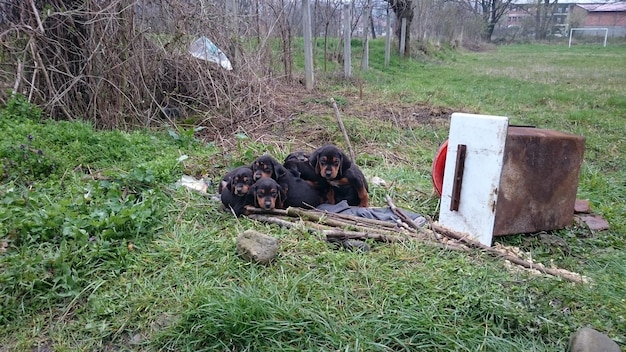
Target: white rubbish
x,y
379,181
204,49
192,183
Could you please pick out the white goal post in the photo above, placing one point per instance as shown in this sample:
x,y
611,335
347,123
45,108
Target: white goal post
x,y
571,31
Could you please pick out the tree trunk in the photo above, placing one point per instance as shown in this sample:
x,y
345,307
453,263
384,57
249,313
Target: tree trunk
x,y
403,9
543,19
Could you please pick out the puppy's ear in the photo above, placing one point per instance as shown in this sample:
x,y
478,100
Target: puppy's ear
x,y
313,160
224,184
250,197
282,196
279,169
345,162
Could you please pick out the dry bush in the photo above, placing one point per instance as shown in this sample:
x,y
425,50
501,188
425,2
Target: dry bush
x,y
125,63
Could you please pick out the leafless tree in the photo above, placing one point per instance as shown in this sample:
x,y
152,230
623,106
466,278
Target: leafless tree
x,y
543,18
282,14
490,12
403,9
327,19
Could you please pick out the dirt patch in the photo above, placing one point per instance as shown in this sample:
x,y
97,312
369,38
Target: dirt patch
x,y
299,116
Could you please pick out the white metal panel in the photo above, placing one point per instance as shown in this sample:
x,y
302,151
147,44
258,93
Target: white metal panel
x,y
484,137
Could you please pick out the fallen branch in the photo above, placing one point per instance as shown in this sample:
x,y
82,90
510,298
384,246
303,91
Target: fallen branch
x,y
399,213
272,220
343,234
322,220
352,227
333,232
467,240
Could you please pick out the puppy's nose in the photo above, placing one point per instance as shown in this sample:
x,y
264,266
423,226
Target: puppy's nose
x,y
328,173
268,204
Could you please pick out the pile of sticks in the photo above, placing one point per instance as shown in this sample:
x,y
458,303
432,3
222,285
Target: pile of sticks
x,y
337,227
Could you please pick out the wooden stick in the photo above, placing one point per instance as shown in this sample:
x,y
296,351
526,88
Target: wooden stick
x,y
402,215
343,234
399,213
319,220
327,218
36,13
343,130
458,241
272,220
18,77
466,239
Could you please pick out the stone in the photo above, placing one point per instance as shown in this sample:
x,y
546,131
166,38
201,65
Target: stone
x,y
594,222
352,245
590,340
582,206
355,245
257,247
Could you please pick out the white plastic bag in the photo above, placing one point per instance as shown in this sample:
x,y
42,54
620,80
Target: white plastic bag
x,y
204,49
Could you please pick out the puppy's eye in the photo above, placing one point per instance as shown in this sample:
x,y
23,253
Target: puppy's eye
x,y
274,193
323,159
261,192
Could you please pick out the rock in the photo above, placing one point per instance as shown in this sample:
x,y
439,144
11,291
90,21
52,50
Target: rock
x,y
352,245
355,245
582,206
555,242
137,339
590,340
594,222
257,247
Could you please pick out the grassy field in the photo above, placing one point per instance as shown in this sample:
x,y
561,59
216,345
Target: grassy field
x,y
100,251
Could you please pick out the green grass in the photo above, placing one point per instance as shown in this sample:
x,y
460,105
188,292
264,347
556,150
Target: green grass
x,y
99,251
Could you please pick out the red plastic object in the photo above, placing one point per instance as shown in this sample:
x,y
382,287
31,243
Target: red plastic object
x,y
439,165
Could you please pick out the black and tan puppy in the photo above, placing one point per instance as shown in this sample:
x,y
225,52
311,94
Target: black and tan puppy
x,y
298,163
238,180
267,166
234,189
267,194
302,194
345,177
294,161
233,203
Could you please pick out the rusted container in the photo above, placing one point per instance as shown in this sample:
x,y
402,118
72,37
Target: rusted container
x,y
539,180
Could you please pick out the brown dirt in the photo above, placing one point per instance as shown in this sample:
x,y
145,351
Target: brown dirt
x,y
294,106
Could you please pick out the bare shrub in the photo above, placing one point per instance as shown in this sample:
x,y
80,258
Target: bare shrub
x,y
125,63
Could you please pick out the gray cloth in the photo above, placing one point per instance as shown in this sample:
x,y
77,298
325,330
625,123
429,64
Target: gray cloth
x,y
383,214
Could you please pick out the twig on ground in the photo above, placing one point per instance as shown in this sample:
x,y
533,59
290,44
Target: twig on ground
x,y
352,227
343,234
402,215
465,239
271,220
